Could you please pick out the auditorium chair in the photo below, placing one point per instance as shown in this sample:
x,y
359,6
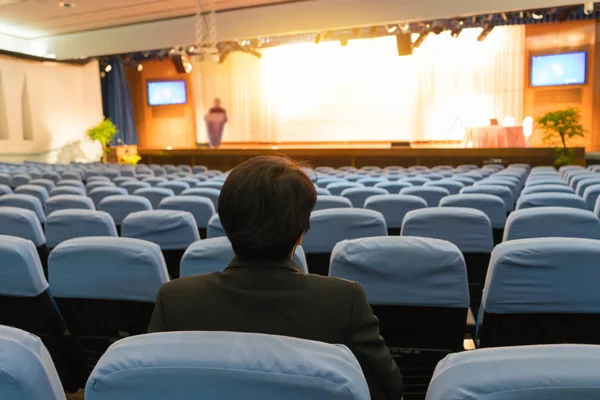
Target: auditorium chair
x,y
132,186
74,223
91,185
25,201
27,304
154,181
71,183
542,291
38,192
551,222
327,202
45,183
352,178
575,179
192,181
432,195
469,229
6,180
119,207
119,181
417,288
323,182
320,191
28,371
173,231
197,169
202,208
4,189
512,186
591,195
567,200
100,193
110,173
371,182
328,227
393,187
105,288
154,194
67,202
214,228
501,191
566,371
546,189
213,255
226,365
539,180
20,179
212,184
416,180
70,175
211,193
584,184
394,207
336,188
200,176
358,196
492,206
176,186
453,186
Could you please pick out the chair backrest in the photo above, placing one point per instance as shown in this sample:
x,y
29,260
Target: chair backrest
x,y
566,371
21,223
393,187
394,207
132,186
99,194
469,229
336,188
569,200
202,208
584,184
328,227
431,194
154,194
370,182
212,184
71,182
69,224
104,268
552,222
545,180
215,228
202,365
452,185
322,191
211,193
213,255
67,202
154,181
491,205
91,185
4,189
26,202
67,190
21,274
28,372
416,180
119,207
21,179
171,230
591,195
546,189
358,196
38,192
73,175
327,202
45,183
503,192
176,186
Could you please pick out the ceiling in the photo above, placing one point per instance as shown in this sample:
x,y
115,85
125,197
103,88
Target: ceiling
x,y
30,19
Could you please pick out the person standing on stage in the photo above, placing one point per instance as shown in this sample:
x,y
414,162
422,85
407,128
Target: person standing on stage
x,y
215,123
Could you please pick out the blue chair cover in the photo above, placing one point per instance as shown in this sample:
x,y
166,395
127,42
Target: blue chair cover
x,y
545,181
171,230
575,179
469,229
4,189
512,186
492,206
154,194
91,185
25,201
322,191
213,255
98,194
584,184
119,207
71,182
503,192
73,223
71,175
28,372
554,372
394,207
358,196
132,186
45,183
6,180
416,180
226,365
122,179
534,200
211,193
327,202
328,227
452,185
154,181
432,195
214,228
541,276
193,182
38,192
370,182
404,271
336,188
68,201
394,187
551,222
213,184
546,189
107,268
176,186
21,274
197,169
201,208
591,195
21,179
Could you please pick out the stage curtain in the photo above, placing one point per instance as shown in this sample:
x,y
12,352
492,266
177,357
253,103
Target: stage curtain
x,y
117,105
364,91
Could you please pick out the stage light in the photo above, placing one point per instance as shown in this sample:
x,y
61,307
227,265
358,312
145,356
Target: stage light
x,y
344,42
487,28
420,39
537,16
191,49
406,28
140,67
504,16
391,28
108,68
588,8
455,32
461,22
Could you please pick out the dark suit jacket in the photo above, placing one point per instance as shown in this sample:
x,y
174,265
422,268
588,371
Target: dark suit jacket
x,y
278,299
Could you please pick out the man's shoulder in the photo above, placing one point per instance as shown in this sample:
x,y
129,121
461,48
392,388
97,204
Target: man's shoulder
x,y
330,283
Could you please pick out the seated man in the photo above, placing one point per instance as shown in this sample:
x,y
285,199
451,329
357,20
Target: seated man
x,y
265,207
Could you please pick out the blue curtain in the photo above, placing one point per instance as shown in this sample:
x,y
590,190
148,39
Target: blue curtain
x,y
116,101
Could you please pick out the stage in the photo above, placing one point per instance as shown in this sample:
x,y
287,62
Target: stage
x,y
358,154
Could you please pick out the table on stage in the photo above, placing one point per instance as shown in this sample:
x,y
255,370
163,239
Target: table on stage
x,y
495,136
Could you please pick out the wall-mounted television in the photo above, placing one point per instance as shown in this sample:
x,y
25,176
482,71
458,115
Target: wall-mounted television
x,y
162,93
559,69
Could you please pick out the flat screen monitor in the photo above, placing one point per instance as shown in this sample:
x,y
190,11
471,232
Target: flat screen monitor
x,y
559,69
161,93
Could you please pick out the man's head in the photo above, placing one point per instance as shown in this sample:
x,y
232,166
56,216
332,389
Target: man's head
x,y
265,207
217,102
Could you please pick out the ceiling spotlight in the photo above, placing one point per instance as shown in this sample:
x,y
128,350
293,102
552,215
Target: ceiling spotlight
x,y
64,4
428,26
140,67
191,49
406,28
537,16
487,28
108,68
420,39
318,38
391,28
588,8
461,22
455,32
344,42
504,16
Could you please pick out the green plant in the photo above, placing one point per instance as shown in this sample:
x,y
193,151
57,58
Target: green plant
x,y
559,128
104,133
130,159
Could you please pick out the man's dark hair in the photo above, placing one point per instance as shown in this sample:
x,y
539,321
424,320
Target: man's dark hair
x,y
265,206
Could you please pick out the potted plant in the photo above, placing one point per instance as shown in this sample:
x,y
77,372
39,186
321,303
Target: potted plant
x,y
104,133
559,128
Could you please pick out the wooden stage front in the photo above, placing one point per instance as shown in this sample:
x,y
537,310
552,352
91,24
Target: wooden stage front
x,y
355,154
